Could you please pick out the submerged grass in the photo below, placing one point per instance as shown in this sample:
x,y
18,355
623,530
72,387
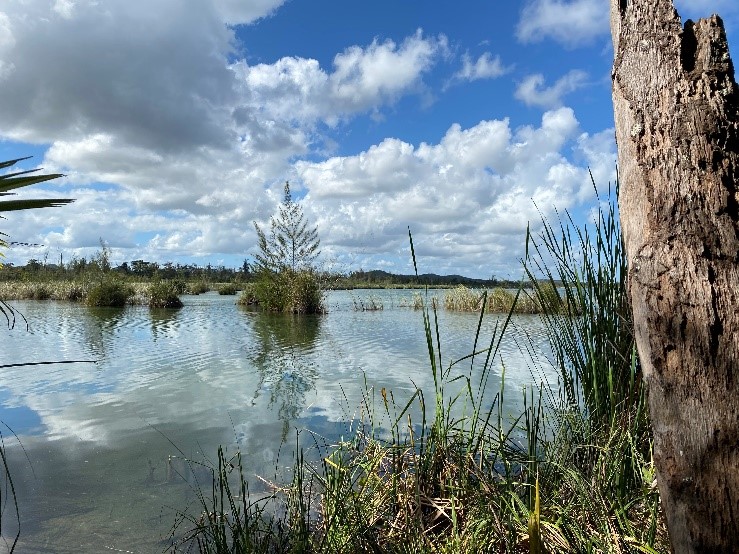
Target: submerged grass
x,y
371,303
571,473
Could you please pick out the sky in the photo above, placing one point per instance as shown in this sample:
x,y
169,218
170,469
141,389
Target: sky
x,y
178,122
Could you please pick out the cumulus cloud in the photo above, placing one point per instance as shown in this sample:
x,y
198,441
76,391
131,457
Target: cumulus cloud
x,y
532,92
575,23
467,198
569,22
485,67
362,78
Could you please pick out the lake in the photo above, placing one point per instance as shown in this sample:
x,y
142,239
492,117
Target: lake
x,y
96,450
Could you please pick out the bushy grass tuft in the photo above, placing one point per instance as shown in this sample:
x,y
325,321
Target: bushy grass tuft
x,y
110,293
289,291
247,296
164,294
463,299
198,287
228,289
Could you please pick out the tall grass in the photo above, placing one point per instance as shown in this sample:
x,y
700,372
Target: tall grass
x,y
570,473
594,344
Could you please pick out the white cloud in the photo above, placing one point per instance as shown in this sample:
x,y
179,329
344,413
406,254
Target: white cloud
x,y
65,8
485,67
363,79
467,199
569,22
531,90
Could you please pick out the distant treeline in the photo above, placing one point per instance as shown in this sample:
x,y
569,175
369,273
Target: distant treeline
x,y
380,279
136,269
145,270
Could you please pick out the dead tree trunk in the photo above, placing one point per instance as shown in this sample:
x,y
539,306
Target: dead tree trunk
x,y
676,107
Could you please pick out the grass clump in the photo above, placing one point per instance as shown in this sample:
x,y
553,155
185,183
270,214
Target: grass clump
x,y
544,297
109,293
289,291
164,294
247,296
198,287
463,299
228,289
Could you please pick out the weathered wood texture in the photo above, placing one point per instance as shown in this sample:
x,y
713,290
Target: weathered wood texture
x,y
676,107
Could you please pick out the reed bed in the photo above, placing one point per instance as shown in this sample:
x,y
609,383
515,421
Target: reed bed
x,y
571,473
52,290
503,301
98,292
417,301
227,289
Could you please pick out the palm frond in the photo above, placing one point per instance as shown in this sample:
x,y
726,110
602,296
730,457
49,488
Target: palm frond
x,y
12,181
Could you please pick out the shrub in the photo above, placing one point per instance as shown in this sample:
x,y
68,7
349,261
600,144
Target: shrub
x,y
109,293
74,292
179,285
247,296
289,291
197,288
41,292
227,289
163,294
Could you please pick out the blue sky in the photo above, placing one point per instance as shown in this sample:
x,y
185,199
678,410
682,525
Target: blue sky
x,y
177,123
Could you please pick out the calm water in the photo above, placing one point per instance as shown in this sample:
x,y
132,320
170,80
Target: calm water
x,y
89,444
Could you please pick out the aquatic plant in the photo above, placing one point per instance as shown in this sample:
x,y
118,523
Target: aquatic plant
x,y
463,299
370,304
164,294
228,289
247,296
110,293
198,287
289,292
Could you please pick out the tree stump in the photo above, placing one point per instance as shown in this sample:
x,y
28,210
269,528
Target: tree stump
x,y
676,107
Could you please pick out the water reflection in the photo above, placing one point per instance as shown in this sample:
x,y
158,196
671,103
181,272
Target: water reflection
x,y
174,384
98,327
163,321
284,362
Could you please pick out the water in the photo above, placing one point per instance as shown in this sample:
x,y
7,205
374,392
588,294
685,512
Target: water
x,y
96,450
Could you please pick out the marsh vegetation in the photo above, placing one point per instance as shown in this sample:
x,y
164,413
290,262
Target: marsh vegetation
x,y
456,472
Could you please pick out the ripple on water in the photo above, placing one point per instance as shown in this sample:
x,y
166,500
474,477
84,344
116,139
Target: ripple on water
x,y
205,375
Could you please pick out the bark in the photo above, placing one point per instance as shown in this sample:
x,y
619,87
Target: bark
x,y
676,107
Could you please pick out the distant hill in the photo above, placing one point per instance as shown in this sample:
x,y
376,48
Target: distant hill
x,y
378,277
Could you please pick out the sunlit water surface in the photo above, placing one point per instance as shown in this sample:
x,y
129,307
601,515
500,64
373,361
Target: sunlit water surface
x,y
96,450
